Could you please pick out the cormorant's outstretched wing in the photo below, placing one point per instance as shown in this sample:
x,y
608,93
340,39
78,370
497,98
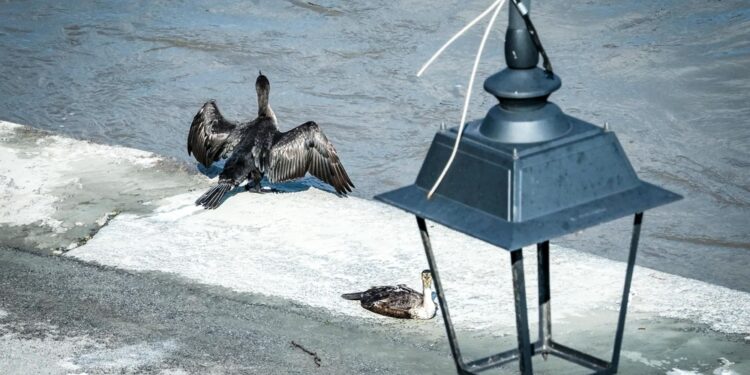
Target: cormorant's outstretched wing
x,y
306,149
210,136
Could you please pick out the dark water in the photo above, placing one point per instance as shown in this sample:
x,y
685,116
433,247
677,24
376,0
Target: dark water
x,y
671,77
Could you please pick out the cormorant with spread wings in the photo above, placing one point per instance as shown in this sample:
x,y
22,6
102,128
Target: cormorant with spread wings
x,y
257,148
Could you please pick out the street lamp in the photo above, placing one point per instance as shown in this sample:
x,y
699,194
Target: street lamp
x,y
524,174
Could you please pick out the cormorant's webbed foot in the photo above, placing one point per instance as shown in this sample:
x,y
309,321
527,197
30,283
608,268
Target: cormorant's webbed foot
x,y
255,187
259,189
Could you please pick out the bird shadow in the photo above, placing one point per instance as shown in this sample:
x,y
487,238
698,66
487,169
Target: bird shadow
x,y
295,186
212,171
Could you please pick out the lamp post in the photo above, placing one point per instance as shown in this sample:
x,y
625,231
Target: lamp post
x,y
524,174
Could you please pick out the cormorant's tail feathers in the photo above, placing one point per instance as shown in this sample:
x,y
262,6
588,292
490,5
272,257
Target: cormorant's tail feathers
x,y
212,198
352,296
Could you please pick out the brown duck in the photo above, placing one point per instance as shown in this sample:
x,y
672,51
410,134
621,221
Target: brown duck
x,y
399,301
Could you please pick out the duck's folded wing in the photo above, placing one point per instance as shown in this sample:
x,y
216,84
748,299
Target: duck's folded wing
x,y
378,293
306,149
405,299
397,304
211,136
384,308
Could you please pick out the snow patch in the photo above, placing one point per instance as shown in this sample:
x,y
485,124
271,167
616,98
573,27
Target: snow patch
x,y
640,358
23,193
7,129
176,371
77,149
723,369
56,192
104,220
312,246
30,174
676,371
45,355
128,357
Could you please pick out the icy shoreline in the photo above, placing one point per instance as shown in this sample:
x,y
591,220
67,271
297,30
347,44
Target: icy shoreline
x,y
310,246
57,192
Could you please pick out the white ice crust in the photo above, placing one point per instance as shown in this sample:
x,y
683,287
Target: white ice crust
x,y
311,246
29,175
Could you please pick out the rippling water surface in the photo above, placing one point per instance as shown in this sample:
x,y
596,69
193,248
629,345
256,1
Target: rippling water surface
x,y
671,77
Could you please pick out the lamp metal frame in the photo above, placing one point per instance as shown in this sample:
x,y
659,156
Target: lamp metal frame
x,y
544,344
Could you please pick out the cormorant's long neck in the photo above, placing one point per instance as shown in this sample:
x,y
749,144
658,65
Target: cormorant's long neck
x,y
264,109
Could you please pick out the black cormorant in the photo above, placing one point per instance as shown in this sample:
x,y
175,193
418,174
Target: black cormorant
x,y
257,148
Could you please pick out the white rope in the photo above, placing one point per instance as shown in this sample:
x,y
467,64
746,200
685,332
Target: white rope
x,y
468,96
456,36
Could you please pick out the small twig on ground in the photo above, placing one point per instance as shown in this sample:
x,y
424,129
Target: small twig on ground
x,y
316,359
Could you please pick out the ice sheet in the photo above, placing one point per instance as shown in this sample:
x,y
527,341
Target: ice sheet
x,y
311,246
54,190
